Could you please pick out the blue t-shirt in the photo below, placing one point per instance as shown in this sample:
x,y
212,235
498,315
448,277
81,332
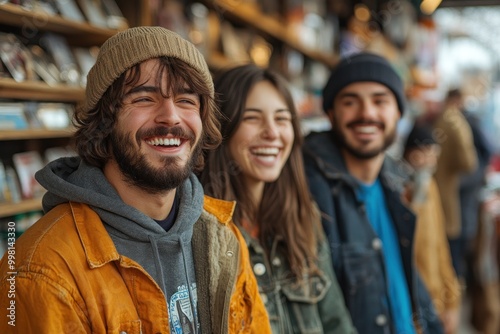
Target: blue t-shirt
x,y
378,214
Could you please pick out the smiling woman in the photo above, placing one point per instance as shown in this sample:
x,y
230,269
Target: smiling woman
x,y
259,164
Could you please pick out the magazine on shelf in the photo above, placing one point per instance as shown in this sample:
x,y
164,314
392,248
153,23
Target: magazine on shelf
x,y
13,185
4,190
114,16
63,57
55,115
86,58
44,66
12,116
26,165
47,6
69,9
15,57
94,12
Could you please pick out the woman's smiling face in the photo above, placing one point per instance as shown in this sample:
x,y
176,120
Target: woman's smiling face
x,y
264,138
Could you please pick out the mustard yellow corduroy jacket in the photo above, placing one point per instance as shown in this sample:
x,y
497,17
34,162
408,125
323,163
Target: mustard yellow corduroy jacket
x,y
458,157
432,253
71,279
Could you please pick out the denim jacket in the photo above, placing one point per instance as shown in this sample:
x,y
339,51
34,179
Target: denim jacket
x,y
356,250
315,306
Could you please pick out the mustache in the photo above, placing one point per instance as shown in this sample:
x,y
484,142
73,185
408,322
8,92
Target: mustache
x,y
365,122
162,131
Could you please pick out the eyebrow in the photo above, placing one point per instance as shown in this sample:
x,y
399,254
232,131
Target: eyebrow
x,y
147,89
376,94
259,110
154,89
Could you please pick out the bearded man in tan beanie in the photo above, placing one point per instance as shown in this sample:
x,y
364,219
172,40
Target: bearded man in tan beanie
x,y
129,243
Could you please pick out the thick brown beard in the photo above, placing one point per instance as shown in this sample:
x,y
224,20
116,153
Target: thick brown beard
x,y
139,173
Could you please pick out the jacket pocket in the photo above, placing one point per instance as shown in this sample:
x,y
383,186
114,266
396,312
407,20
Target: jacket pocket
x,y
364,287
362,268
302,300
130,327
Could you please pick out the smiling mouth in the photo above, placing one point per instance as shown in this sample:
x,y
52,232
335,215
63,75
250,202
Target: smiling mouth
x,y
369,129
175,142
265,153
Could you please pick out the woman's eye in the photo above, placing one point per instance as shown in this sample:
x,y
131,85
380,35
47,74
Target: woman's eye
x,y
284,119
250,117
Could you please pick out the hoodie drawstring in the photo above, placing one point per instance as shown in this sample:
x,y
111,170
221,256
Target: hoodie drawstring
x,y
154,247
191,299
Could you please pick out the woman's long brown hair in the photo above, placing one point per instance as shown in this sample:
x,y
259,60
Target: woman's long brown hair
x,y
286,208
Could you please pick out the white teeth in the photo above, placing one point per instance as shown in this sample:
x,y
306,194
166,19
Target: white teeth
x,y
366,129
165,142
266,150
267,158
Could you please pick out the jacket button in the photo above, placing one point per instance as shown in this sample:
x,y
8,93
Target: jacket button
x,y
405,242
276,262
381,320
229,253
377,244
259,269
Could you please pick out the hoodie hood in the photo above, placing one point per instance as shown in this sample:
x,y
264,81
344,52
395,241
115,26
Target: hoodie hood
x,y
71,179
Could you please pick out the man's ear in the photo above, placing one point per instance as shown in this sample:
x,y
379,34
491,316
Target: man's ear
x,y
330,115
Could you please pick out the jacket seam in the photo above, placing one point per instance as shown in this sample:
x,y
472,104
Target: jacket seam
x,y
46,278
41,237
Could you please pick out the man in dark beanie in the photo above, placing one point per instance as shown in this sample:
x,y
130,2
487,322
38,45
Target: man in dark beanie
x,y
358,189
129,243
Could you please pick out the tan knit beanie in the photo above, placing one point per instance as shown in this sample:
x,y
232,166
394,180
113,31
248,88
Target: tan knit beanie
x,y
135,45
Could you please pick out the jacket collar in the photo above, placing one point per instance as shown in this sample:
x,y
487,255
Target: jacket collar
x,y
97,244
222,210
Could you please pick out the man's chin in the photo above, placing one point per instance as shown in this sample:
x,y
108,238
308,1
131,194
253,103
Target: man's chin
x,y
364,153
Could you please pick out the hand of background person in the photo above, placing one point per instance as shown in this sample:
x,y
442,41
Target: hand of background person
x,y
450,320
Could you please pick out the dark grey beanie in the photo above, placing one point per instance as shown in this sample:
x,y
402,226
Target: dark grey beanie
x,y
363,67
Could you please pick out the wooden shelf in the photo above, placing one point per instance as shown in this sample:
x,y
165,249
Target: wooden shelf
x,y
35,134
82,33
218,61
40,91
11,209
252,17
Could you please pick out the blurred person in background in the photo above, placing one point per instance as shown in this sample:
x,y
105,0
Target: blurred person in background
x,y
471,186
432,253
359,190
259,165
458,157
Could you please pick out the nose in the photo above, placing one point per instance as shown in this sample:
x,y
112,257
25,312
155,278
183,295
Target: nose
x,y
368,109
270,130
168,113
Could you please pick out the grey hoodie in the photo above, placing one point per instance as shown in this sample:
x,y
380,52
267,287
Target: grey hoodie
x,y
166,256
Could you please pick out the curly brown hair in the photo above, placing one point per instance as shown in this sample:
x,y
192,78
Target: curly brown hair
x,y
94,127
